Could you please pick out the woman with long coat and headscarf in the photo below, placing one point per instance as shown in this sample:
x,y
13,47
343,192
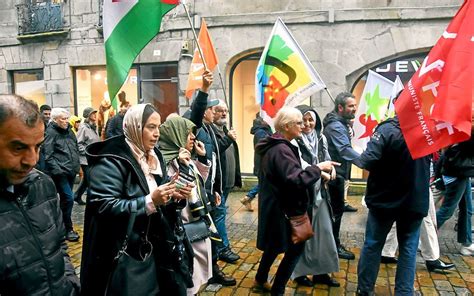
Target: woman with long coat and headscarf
x,y
319,257
178,144
283,194
129,170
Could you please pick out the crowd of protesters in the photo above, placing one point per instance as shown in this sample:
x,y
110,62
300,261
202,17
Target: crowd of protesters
x,y
157,190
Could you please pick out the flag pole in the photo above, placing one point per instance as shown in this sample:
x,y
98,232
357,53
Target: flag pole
x,y
330,96
222,84
195,36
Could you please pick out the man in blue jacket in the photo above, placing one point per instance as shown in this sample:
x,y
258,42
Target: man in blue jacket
x,y
338,130
397,191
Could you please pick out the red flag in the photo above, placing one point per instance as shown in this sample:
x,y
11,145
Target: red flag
x,y
434,109
197,66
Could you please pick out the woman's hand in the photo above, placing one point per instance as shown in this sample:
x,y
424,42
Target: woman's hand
x,y
327,166
184,192
218,198
333,173
163,193
325,176
184,156
199,148
207,79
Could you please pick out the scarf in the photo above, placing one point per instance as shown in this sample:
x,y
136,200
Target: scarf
x,y
133,131
311,139
173,136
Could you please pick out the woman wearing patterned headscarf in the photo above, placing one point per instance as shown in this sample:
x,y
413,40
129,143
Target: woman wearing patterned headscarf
x,y
127,170
178,143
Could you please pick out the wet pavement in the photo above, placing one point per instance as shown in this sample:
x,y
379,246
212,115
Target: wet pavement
x,y
242,229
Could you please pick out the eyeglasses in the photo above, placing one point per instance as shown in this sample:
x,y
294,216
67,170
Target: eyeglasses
x,y
300,123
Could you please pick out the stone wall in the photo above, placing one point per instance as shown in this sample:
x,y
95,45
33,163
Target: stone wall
x,y
342,38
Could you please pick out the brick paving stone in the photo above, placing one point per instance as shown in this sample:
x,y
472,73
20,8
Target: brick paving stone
x,y
458,282
429,291
438,276
462,291
425,282
446,293
443,285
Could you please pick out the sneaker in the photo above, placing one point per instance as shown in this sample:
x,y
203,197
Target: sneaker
x,y
228,256
247,202
72,236
467,251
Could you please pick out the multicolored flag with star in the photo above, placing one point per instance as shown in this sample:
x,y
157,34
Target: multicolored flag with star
x,y
372,108
285,76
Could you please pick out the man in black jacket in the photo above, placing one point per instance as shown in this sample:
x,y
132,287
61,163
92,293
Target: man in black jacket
x,y
61,159
33,257
397,191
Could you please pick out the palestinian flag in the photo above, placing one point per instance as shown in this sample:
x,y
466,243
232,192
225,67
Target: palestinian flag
x,y
128,27
285,76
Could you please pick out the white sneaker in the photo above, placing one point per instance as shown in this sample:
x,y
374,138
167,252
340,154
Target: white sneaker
x,y
467,251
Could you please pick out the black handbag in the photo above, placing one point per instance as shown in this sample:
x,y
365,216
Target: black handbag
x,y
197,230
132,276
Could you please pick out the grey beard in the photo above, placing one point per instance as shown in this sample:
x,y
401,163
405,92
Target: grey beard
x,y
221,122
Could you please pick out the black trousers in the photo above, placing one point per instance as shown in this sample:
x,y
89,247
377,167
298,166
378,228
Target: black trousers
x,y
336,192
285,269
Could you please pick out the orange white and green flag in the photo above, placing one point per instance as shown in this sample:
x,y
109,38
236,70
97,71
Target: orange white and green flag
x,y
284,76
128,27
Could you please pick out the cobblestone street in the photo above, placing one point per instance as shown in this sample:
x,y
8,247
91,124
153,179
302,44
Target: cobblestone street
x,y
242,228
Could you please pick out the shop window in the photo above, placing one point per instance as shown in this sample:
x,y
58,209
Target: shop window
x,y
159,87
155,83
29,84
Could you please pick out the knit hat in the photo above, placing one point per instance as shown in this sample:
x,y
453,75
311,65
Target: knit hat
x,y
87,112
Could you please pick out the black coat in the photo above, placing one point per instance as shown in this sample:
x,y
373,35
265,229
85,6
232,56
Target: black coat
x,y
260,129
283,191
458,160
116,178
61,153
397,183
224,142
33,253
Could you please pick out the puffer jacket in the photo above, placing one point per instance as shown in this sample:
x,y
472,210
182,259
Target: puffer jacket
x,y
61,153
118,179
33,257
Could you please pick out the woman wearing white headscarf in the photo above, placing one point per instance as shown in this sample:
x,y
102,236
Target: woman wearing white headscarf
x,y
319,257
124,170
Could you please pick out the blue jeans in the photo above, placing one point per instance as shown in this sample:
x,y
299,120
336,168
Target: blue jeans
x,y
220,213
64,185
457,193
253,192
408,233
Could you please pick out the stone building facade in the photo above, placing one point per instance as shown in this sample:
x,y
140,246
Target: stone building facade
x,y
63,63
